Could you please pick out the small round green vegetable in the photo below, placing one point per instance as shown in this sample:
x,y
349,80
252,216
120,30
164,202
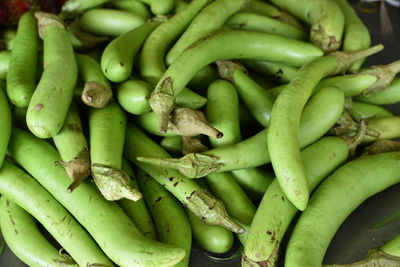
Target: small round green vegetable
x,y
172,144
213,238
133,96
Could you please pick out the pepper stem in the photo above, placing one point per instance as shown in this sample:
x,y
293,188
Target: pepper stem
x,y
227,68
211,210
193,165
347,126
162,102
78,168
347,59
356,140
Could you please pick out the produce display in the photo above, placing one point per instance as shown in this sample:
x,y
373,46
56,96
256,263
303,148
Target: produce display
x,y
132,129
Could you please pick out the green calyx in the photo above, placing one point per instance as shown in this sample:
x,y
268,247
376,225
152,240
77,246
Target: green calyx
x,y
347,125
357,139
385,75
346,59
113,183
193,165
211,210
189,122
162,102
78,168
322,39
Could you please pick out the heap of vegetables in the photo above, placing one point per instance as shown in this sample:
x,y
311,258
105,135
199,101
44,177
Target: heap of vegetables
x,y
96,98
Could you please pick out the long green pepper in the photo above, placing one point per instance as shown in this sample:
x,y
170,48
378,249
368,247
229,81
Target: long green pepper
x,y
222,46
169,216
275,213
319,116
50,101
105,221
283,141
21,188
107,134
334,200
21,76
